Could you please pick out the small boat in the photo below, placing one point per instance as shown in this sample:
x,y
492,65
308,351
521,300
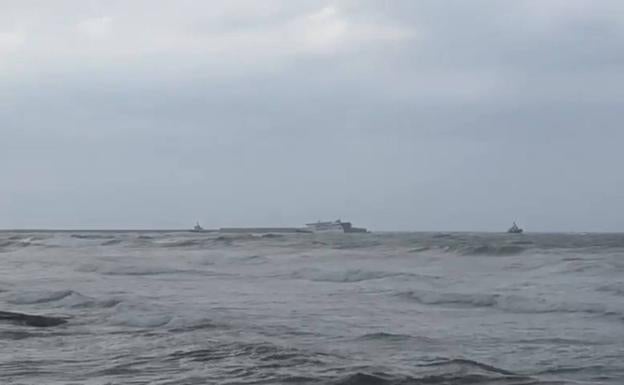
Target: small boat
x,y
515,229
198,228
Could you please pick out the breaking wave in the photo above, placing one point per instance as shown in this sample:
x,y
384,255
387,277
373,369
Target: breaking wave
x,y
62,298
509,303
250,259
77,300
184,325
395,338
92,236
111,242
453,371
491,250
31,320
616,288
36,297
140,320
347,276
15,244
120,269
183,243
261,355
139,316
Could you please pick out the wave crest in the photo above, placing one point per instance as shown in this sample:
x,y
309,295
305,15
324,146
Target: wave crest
x,y
509,303
491,250
448,371
139,316
61,298
116,269
31,320
36,297
347,276
395,338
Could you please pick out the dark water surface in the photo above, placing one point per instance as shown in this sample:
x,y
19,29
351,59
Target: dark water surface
x,y
409,308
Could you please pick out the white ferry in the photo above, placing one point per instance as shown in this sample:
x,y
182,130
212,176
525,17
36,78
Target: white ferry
x,y
336,226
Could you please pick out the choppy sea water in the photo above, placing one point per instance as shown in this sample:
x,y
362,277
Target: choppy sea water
x,y
395,308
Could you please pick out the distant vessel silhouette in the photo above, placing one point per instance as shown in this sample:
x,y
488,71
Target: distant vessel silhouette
x,y
515,229
197,228
336,226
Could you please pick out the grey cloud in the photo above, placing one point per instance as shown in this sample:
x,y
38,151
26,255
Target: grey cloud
x,y
483,113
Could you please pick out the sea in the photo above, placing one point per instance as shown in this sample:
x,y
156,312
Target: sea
x,y
345,309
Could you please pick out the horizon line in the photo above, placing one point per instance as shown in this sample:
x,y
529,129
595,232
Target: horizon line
x,y
214,230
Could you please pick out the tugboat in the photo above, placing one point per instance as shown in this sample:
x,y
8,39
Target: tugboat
x,y
515,229
197,228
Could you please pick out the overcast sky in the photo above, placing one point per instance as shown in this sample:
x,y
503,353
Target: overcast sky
x,y
396,115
